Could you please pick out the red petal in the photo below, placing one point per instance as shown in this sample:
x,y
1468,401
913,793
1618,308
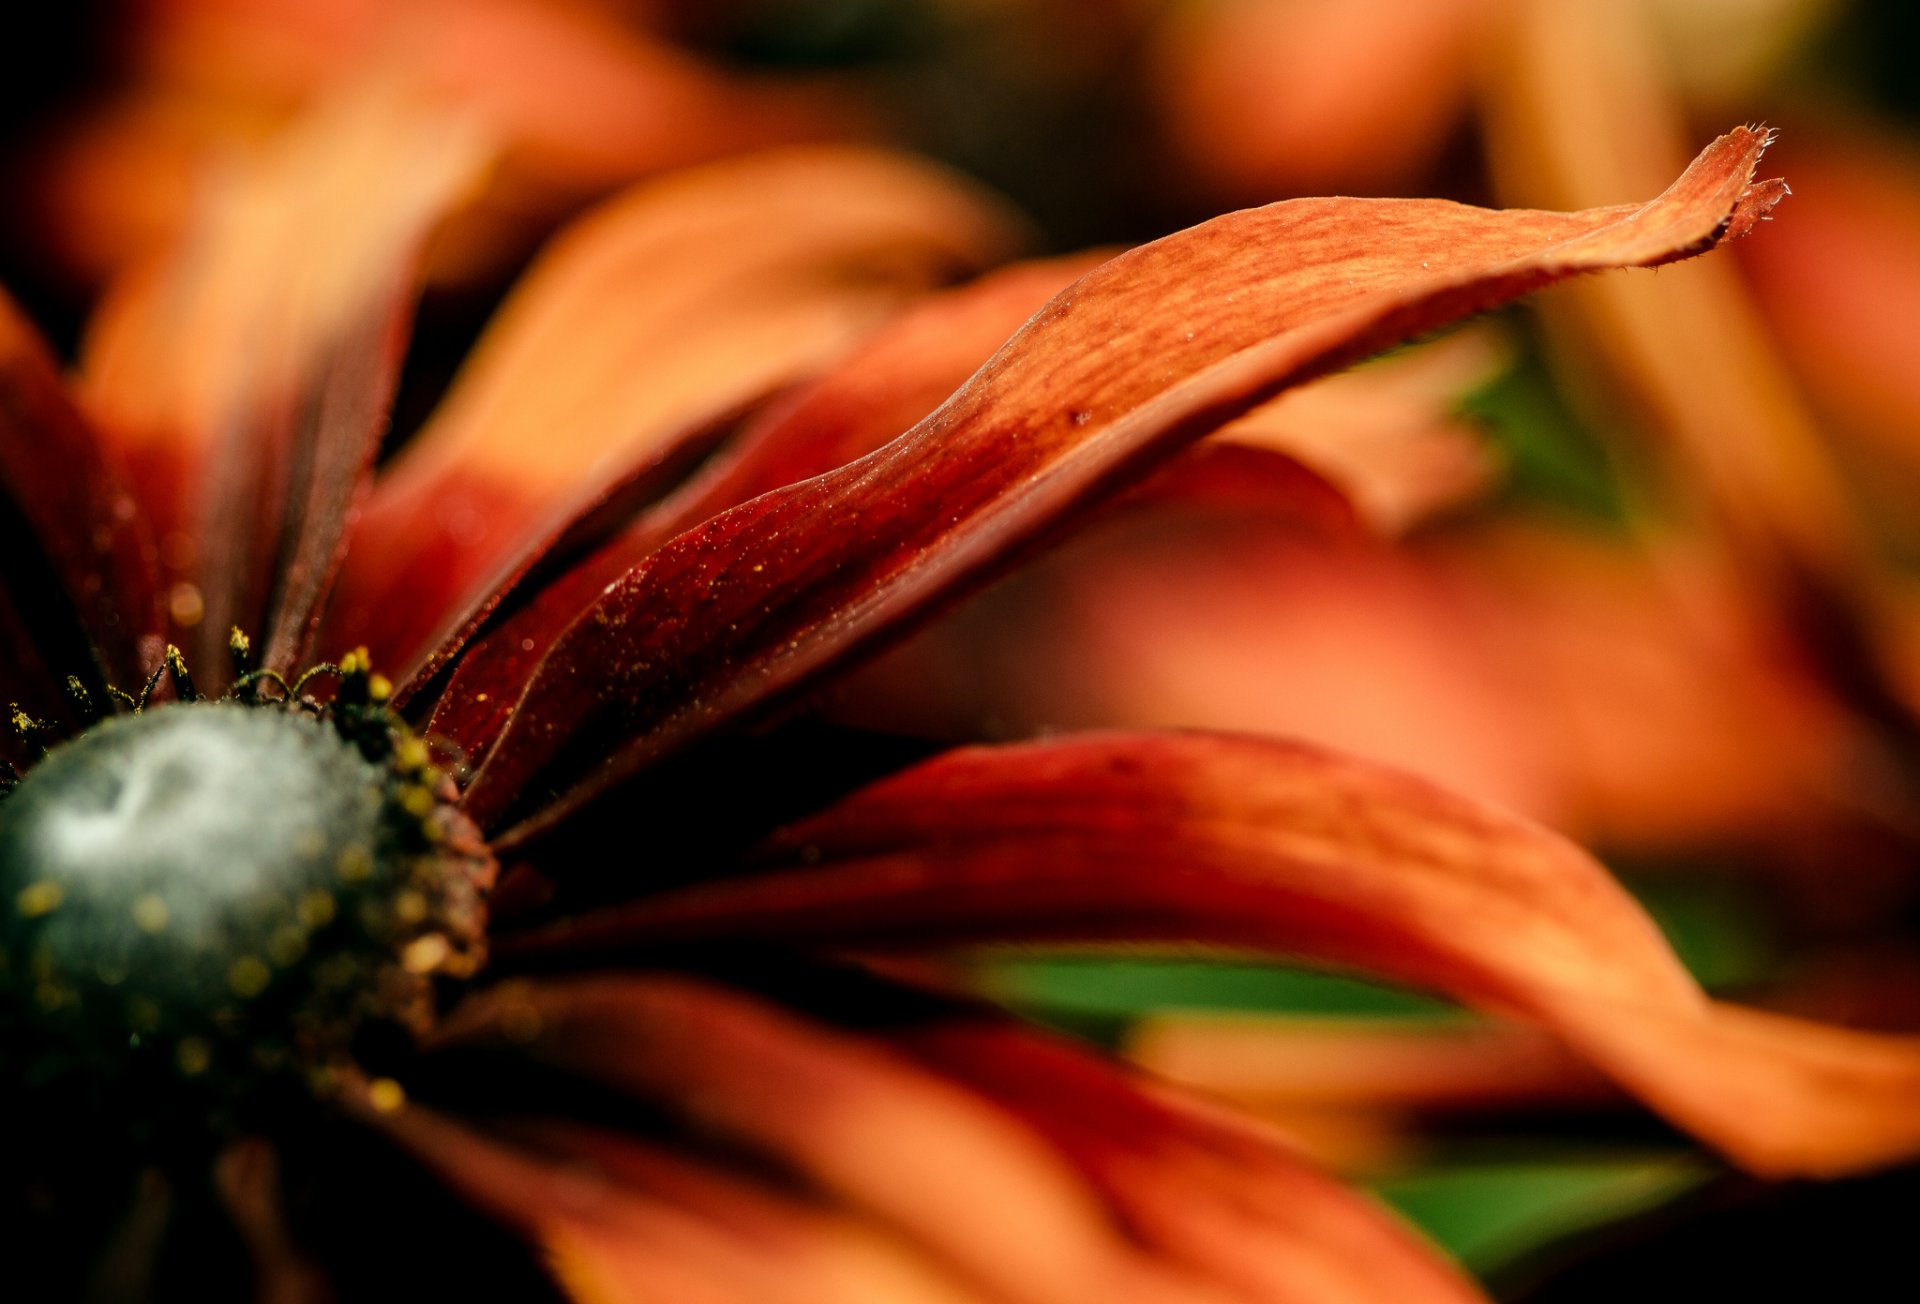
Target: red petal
x,y
643,323
1269,846
956,1175
1213,1193
245,374
54,470
878,390
623,1219
1154,349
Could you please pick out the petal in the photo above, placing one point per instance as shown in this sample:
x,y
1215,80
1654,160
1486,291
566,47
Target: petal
x,y
244,375
1842,287
1353,98
1278,1063
1208,1191
1262,845
1389,434
581,100
55,472
1578,116
649,319
1626,695
944,1168
621,1219
879,389
1154,349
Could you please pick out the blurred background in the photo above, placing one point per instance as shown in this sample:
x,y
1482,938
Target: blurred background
x,y
1639,559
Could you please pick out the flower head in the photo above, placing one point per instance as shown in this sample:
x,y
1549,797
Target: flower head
x,y
706,1056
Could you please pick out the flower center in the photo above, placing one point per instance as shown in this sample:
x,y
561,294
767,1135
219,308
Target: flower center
x,y
203,897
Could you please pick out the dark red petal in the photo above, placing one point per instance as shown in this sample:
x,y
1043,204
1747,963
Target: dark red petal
x,y
54,469
650,318
1264,845
880,389
1156,348
245,373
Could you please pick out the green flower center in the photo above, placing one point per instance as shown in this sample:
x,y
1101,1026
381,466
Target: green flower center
x,y
203,898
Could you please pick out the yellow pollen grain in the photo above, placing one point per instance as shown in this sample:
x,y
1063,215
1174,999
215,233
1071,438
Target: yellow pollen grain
x,y
417,801
425,954
248,976
386,1095
379,687
355,864
317,909
411,754
38,899
192,1056
150,914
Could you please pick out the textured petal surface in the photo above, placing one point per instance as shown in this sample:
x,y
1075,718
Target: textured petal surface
x,y
1156,348
881,388
1260,845
659,312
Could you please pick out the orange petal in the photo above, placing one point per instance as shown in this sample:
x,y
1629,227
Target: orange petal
x,y
648,320
1274,1062
1626,695
580,100
1156,348
1255,844
1271,97
879,389
1579,116
1387,434
1204,1189
621,1219
957,1176
243,376
1842,284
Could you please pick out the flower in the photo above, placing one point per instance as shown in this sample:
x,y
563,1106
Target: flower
x,y
710,1053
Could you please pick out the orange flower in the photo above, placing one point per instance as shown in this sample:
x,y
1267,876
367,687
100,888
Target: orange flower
x,y
255,947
